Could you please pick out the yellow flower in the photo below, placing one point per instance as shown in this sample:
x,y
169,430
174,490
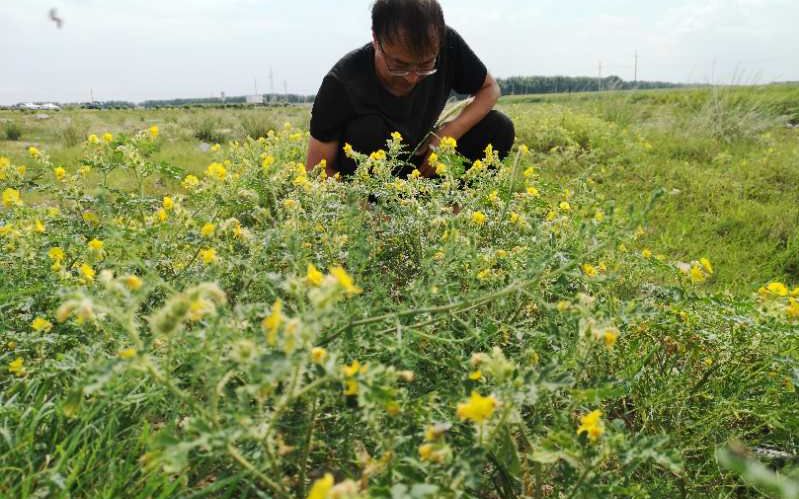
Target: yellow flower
x,y
133,283
448,144
589,270
108,138
314,277
154,131
38,226
96,245
351,387
345,280
532,191
93,139
697,276
56,254
321,488
475,375
646,253
777,288
215,148
379,155
792,310
348,150
610,335
426,452
564,206
87,272
208,255
216,170
415,173
17,367
706,265
352,369
168,203
493,196
11,198
127,353
272,322
477,408
477,166
41,325
318,355
396,137
591,424
34,152
59,173
441,168
162,215
190,182
599,216
207,230
478,218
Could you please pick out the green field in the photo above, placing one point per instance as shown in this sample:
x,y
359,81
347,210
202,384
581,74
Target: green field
x,y
611,311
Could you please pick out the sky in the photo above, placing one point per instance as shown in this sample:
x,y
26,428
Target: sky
x,y
154,49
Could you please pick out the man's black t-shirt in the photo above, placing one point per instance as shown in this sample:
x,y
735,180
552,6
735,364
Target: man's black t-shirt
x,y
352,90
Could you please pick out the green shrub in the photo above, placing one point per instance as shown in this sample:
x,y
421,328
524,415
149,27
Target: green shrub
x,y
13,131
206,130
74,133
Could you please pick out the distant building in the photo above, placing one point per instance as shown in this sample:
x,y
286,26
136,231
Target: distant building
x,y
254,99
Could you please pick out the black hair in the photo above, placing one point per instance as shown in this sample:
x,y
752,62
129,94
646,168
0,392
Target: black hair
x,y
417,24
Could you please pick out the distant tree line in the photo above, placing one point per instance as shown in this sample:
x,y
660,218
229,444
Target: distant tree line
x,y
235,101
520,85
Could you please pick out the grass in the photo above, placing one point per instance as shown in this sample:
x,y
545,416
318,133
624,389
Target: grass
x,y
725,158
263,327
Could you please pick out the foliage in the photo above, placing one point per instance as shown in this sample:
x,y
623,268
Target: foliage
x,y
264,330
12,130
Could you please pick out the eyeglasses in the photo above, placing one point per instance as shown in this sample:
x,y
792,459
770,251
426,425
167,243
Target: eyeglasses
x,y
400,71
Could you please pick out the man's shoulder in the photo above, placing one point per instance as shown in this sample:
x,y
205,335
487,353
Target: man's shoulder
x,y
353,65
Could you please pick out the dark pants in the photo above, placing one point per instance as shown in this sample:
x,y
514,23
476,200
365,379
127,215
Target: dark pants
x,y
370,133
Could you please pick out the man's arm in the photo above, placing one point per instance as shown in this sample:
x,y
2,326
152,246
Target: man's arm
x,y
318,151
484,101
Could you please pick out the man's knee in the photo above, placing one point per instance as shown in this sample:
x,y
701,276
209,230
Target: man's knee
x,y
504,133
495,129
365,134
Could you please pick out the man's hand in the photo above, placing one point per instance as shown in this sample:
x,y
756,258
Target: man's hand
x,y
483,102
425,150
318,151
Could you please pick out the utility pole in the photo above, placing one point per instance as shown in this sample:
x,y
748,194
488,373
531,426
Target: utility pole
x,y
286,90
599,81
271,83
636,67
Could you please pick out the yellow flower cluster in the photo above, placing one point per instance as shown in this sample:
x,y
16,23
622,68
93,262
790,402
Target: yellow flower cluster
x,y
477,409
591,424
11,198
447,144
216,171
351,386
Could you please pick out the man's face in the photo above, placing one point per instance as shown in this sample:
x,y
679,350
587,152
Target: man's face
x,y
395,58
